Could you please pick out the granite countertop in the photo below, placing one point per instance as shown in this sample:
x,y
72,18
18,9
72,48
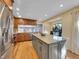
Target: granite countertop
x,y
49,39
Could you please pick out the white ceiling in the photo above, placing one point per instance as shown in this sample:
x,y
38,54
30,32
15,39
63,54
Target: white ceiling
x,y
41,9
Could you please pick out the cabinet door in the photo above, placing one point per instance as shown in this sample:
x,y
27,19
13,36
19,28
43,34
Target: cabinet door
x,y
35,43
53,53
43,51
40,47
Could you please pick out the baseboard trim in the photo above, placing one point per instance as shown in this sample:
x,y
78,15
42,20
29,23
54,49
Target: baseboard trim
x,y
72,52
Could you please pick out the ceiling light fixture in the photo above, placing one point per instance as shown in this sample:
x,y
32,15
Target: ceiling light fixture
x,y
46,15
61,5
17,13
10,7
17,9
19,16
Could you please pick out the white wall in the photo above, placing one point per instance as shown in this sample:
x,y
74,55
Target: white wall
x,y
67,26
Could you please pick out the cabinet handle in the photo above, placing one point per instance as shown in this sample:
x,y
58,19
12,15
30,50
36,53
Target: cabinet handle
x,y
40,48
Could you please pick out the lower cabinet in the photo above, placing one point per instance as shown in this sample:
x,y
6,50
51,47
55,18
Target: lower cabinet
x,y
43,50
35,43
53,52
49,51
40,47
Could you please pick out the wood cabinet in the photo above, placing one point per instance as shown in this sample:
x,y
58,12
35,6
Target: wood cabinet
x,y
8,2
22,21
49,51
20,37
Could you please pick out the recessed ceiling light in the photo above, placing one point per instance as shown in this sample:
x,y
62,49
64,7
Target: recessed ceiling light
x,y
17,13
17,9
46,15
61,5
10,7
19,16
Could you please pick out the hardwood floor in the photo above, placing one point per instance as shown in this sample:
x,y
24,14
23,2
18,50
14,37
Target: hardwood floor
x,y
71,55
25,50
22,50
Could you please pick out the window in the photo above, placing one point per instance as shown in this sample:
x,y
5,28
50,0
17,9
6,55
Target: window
x,y
27,28
57,29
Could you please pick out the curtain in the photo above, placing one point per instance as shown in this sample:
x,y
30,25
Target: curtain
x,y
75,33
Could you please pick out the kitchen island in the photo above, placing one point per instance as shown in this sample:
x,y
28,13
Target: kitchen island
x,y
49,47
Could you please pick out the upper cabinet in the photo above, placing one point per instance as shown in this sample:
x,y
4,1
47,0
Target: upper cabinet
x,y
9,2
20,21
